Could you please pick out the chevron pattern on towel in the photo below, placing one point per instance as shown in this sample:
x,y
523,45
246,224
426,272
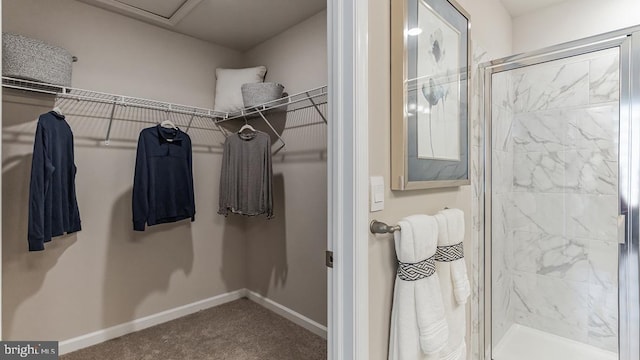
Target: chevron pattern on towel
x,y
416,271
449,253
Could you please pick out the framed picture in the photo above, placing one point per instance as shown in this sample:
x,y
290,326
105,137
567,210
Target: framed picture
x,y
430,57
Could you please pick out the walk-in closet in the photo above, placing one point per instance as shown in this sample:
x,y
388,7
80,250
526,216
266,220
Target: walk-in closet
x,y
214,280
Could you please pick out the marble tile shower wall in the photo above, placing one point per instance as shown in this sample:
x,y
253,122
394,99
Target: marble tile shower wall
x,y
555,148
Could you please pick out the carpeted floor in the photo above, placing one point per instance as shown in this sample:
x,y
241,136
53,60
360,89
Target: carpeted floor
x,y
239,330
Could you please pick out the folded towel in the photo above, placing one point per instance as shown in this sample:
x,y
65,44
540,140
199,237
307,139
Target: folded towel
x,y
451,236
452,284
418,325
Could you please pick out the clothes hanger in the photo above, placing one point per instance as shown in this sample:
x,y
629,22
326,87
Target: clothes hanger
x,y
58,111
167,123
246,126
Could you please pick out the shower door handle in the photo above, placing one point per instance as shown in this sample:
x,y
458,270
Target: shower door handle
x,y
622,238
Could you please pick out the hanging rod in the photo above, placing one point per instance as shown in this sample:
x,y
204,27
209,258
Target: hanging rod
x,y
299,101
106,98
294,102
290,103
310,98
378,227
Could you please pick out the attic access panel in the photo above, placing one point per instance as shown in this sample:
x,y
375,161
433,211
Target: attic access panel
x,y
164,8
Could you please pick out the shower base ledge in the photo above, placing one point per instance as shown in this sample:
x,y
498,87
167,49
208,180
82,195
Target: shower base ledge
x,y
525,343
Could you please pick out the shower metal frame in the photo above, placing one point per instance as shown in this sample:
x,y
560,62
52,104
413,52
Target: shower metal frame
x,y
628,42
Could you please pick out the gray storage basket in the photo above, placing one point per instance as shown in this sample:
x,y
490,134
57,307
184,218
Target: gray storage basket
x,y
30,59
254,94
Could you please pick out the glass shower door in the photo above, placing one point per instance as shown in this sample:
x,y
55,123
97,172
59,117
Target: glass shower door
x,y
554,209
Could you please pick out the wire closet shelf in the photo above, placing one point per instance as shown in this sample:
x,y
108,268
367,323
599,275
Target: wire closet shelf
x,y
312,98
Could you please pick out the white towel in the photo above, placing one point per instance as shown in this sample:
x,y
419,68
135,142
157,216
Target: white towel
x,y
418,325
450,232
454,234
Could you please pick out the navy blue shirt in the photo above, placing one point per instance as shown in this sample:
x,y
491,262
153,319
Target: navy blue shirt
x,y
53,208
163,181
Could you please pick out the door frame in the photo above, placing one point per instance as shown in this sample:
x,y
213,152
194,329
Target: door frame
x,y
348,171
628,42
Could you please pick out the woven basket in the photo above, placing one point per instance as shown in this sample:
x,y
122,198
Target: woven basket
x,y
30,59
259,93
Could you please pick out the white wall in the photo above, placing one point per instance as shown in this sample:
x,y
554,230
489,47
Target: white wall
x,y
490,26
572,20
491,31
107,274
285,256
296,58
121,55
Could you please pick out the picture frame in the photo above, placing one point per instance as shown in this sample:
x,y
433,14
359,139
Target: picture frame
x,y
430,92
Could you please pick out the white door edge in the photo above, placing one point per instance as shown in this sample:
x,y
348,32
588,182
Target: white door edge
x,y
348,171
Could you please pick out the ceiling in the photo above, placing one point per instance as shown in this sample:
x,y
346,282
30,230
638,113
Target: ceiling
x,y
236,24
520,7
242,24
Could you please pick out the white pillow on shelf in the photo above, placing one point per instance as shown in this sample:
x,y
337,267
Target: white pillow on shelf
x,y
228,86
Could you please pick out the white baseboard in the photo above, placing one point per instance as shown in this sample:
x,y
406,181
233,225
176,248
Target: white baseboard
x,y
113,332
288,314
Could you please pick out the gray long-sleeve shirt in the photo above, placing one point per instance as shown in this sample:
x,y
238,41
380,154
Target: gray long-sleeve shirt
x,y
245,179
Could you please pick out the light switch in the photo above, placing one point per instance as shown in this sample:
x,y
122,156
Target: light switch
x,y
377,193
